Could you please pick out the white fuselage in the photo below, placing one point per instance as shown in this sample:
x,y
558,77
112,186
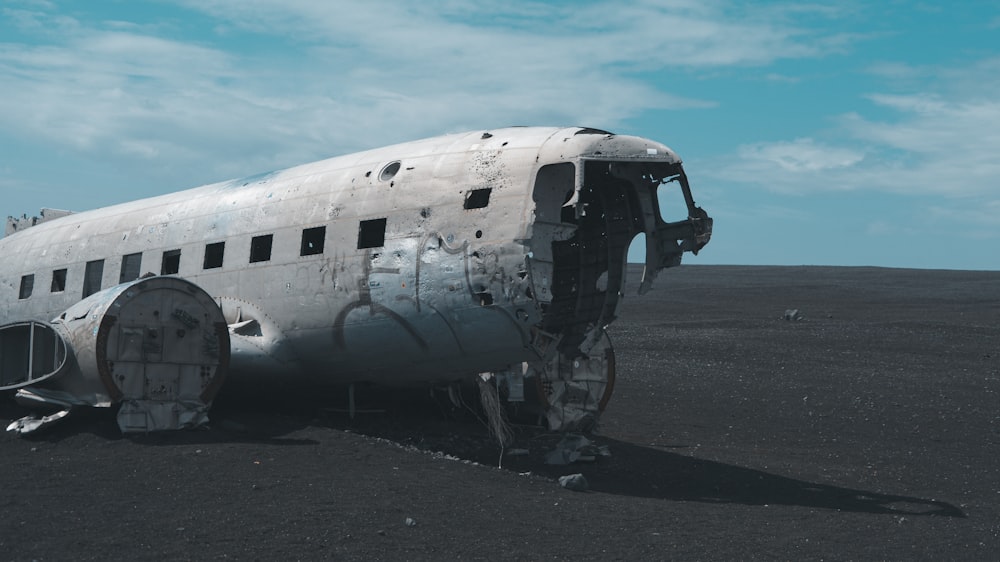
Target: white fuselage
x,y
425,260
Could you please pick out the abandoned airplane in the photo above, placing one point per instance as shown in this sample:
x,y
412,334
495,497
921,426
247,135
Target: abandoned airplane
x,y
495,254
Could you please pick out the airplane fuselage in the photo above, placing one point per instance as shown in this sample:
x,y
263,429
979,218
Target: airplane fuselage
x,y
425,261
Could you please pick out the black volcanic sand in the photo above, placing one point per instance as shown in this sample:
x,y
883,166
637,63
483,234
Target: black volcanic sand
x,y
868,430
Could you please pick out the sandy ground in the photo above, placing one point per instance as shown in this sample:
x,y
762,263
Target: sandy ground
x,y
867,430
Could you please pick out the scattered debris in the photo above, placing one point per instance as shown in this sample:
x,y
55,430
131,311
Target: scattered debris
x,y
793,315
410,522
28,424
574,482
489,396
15,224
573,448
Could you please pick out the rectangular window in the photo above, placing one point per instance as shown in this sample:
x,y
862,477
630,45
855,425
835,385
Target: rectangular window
x,y
312,241
171,262
58,280
214,254
478,198
131,265
260,248
92,277
27,286
371,234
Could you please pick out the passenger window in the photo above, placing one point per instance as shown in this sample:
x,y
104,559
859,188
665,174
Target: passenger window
x,y
260,248
214,254
131,265
171,262
478,198
371,234
58,280
312,241
92,277
27,286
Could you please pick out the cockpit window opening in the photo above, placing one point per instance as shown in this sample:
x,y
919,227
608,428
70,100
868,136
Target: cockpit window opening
x,y
670,197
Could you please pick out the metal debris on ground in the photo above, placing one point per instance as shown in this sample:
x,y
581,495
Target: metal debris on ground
x,y
489,396
28,424
574,482
573,448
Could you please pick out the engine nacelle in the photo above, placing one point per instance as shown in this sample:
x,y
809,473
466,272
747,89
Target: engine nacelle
x,y
159,346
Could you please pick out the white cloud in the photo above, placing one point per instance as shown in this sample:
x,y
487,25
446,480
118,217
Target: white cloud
x,y
801,155
943,141
322,78
644,34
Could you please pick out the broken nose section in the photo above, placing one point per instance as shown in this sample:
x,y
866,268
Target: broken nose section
x,y
666,242
157,346
579,252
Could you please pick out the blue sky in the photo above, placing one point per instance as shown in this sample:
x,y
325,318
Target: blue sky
x,y
840,133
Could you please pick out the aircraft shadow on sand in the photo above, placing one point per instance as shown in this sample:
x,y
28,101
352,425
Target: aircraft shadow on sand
x,y
652,473
632,470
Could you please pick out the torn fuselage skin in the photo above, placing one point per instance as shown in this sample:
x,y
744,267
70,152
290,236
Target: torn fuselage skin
x,y
587,214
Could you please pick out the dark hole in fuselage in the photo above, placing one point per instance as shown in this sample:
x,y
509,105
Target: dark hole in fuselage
x,y
478,198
